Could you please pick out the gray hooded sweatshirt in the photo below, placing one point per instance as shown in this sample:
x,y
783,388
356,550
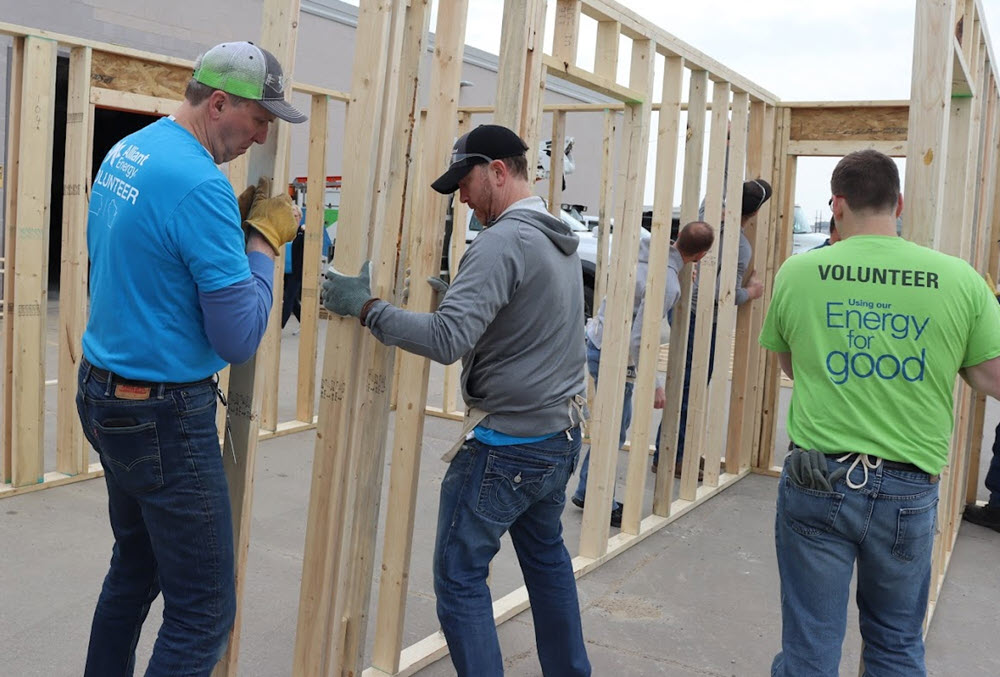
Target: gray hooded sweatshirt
x,y
595,328
514,314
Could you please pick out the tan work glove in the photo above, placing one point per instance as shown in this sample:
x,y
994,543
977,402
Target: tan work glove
x,y
245,200
272,217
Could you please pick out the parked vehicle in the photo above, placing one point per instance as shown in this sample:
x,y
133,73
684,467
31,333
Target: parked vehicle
x,y
803,236
590,220
587,250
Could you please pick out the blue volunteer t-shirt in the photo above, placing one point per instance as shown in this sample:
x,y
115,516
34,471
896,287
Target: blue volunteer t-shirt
x,y
163,225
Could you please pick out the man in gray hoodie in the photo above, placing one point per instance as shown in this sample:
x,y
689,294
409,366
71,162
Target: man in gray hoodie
x,y
515,316
693,242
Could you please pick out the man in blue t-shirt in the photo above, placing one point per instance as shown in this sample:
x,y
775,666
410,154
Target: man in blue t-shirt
x,y
176,292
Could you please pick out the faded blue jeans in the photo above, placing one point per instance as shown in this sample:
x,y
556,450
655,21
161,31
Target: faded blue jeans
x,y
593,365
486,492
887,527
169,507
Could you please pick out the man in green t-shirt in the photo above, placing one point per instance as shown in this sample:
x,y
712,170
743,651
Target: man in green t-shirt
x,y
876,330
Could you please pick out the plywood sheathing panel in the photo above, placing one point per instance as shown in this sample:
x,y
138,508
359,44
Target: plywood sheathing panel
x,y
861,123
136,76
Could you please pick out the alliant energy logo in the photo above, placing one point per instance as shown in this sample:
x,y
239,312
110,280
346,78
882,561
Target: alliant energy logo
x,y
123,162
114,153
869,328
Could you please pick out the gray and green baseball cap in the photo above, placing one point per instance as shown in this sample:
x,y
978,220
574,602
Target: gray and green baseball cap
x,y
249,71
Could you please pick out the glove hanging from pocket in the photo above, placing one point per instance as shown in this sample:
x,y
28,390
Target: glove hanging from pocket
x,y
807,468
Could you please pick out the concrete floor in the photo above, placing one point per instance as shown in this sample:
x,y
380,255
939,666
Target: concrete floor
x,y
698,598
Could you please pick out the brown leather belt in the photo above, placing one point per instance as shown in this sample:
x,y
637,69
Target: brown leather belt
x,y
105,376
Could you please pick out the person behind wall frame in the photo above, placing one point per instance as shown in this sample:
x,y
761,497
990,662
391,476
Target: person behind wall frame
x,y
514,314
834,236
756,193
693,242
870,421
177,290
988,515
291,303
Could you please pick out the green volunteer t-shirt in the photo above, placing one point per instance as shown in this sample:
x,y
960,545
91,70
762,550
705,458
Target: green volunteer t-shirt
x,y
878,328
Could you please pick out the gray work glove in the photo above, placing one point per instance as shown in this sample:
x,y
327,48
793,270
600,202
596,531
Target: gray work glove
x,y
436,283
346,295
808,469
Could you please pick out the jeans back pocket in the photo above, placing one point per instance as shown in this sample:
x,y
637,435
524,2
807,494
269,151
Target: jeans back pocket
x,y
131,453
915,531
510,485
809,511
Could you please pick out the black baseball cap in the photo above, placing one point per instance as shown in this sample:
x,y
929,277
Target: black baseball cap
x,y
483,144
755,193
248,71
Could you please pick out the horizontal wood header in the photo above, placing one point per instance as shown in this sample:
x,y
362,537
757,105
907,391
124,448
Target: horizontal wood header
x,y
135,76
870,123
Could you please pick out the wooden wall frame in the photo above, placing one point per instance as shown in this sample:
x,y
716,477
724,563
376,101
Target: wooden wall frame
x,y
104,76
949,130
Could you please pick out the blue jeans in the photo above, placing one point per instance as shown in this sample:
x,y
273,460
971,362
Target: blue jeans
x,y
169,507
993,474
593,365
486,492
682,424
887,527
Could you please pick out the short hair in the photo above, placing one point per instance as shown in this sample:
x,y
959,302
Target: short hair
x,y
695,238
197,92
868,180
517,165
833,223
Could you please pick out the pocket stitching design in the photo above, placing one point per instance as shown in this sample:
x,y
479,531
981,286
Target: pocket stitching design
x,y
910,554
156,470
488,505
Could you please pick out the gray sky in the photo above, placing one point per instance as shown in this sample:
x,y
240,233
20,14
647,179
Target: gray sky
x,y
805,51
850,50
